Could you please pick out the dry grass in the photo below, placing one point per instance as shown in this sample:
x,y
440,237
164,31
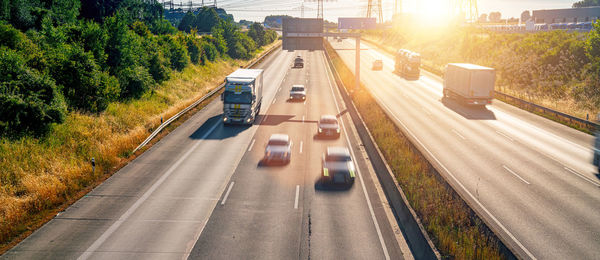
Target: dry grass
x,y
39,175
456,230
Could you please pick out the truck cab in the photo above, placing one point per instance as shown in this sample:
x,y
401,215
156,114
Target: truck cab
x,y
242,97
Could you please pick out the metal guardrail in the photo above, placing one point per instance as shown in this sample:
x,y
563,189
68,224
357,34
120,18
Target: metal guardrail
x,y
197,102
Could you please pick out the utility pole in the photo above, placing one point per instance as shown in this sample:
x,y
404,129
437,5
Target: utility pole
x,y
302,10
320,9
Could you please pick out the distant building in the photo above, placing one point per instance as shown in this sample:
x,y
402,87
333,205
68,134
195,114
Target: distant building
x,y
571,15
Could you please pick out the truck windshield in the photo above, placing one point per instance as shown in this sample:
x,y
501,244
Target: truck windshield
x,y
240,98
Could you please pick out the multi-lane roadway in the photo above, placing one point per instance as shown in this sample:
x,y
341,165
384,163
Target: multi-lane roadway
x,y
202,193
530,178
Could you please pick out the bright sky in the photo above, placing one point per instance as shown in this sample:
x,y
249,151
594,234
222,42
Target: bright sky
x,y
256,10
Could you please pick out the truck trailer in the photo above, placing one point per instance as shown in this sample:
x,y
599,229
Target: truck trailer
x,y
242,97
469,83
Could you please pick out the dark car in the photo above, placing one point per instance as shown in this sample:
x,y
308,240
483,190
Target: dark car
x,y
378,65
338,167
597,151
298,62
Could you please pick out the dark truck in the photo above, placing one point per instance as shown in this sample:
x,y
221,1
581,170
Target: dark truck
x,y
298,62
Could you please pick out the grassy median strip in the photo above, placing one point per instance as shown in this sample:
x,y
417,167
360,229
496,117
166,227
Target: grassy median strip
x,y
43,176
455,229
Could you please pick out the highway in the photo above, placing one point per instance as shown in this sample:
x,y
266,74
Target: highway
x,y
202,193
530,177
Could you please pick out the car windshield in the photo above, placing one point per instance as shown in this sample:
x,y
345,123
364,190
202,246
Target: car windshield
x,y
297,89
277,143
240,98
338,158
328,121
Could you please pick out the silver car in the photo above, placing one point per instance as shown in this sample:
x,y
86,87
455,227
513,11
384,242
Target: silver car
x,y
338,167
329,126
298,92
279,149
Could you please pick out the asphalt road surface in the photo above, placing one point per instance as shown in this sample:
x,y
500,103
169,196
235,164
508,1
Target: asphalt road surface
x,y
531,177
201,192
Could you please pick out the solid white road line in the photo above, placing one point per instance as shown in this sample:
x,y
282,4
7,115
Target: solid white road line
x,y
251,144
301,146
297,196
459,135
88,252
411,134
515,174
303,118
503,134
227,193
582,176
279,89
275,99
383,246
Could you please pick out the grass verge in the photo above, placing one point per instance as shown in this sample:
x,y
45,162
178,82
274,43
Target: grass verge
x,y
40,177
457,232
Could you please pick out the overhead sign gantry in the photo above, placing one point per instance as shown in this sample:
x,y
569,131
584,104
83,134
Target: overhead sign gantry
x,y
307,34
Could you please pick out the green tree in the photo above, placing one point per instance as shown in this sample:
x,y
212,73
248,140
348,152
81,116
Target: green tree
x,y
257,33
586,3
187,22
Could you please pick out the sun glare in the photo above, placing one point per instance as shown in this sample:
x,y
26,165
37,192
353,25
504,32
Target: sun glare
x,y
434,11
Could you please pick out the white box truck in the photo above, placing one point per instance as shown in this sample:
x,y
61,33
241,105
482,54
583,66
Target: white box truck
x,y
242,97
469,83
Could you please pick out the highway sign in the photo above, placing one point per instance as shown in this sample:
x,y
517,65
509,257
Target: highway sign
x,y
302,34
356,23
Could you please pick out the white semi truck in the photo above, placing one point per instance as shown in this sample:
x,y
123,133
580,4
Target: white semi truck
x,y
242,97
469,83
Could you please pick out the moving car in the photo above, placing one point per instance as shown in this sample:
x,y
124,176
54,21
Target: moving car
x,y
329,126
298,62
279,149
298,92
378,65
597,151
338,167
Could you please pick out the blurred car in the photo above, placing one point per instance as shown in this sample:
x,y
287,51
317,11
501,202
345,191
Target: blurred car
x,y
338,167
329,126
378,65
339,40
279,149
298,62
298,92
597,151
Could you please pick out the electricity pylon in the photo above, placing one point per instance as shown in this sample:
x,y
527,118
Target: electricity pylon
x,y
371,7
467,8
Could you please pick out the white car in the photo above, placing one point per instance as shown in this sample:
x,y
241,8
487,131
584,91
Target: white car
x,y
279,149
329,126
298,92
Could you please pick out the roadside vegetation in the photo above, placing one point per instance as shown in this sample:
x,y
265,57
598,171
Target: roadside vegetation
x,y
555,69
90,79
456,231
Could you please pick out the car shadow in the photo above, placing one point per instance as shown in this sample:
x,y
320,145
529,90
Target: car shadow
x,y
263,163
469,112
289,100
321,137
220,132
322,186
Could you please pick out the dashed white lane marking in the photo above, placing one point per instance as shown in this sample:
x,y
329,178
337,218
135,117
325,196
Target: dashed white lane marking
x,y
301,143
275,99
582,176
459,135
505,135
297,196
88,252
515,174
251,144
227,194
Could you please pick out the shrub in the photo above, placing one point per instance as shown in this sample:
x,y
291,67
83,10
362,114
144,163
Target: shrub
x,y
210,51
29,100
159,67
135,81
84,85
